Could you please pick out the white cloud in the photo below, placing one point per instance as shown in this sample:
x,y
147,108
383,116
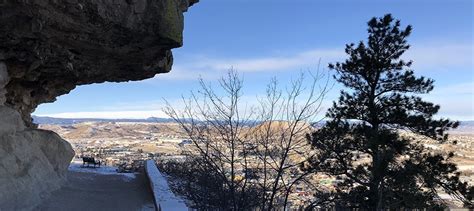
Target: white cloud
x,y
456,109
297,61
209,67
109,114
456,101
134,106
440,56
426,56
455,89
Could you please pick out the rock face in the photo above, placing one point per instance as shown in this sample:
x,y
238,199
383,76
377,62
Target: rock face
x,y
32,162
51,46
47,48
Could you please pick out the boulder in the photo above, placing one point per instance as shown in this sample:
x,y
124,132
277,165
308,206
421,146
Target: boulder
x,y
33,162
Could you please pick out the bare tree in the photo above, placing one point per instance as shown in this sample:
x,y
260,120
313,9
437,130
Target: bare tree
x,y
281,143
216,125
256,150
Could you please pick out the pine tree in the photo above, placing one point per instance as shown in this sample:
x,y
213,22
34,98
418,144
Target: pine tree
x,y
366,122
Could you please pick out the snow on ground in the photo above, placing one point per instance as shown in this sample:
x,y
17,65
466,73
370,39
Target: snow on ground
x,y
76,166
148,207
465,167
166,199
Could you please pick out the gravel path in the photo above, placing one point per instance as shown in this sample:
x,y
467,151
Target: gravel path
x,y
91,191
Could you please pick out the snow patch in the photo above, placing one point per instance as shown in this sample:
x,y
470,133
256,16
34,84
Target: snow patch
x,y
164,197
148,207
76,166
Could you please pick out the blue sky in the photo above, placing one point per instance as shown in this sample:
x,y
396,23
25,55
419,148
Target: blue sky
x,y
278,38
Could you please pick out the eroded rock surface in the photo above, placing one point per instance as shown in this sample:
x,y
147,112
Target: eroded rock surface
x,y
32,162
51,46
47,48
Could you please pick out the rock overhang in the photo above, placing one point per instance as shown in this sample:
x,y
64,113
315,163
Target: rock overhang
x,y
51,46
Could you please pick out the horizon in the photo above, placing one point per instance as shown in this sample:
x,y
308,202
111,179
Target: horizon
x,y
147,118
268,41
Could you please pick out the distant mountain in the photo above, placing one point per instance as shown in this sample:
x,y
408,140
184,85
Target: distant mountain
x,y
465,127
68,121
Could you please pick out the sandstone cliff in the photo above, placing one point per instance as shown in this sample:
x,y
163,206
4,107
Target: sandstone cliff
x,y
32,162
47,48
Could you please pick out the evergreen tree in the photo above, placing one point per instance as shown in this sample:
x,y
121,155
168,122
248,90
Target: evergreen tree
x,y
366,122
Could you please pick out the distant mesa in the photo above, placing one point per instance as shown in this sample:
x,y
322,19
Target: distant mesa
x,y
69,121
